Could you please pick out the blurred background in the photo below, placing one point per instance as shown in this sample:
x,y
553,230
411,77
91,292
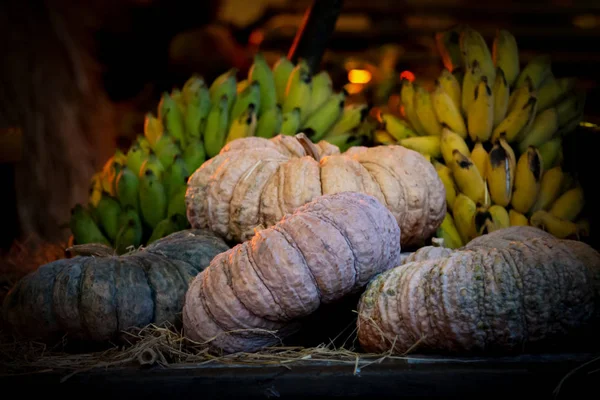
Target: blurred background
x,y
77,79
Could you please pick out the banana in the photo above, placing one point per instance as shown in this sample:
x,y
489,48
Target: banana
x,y
95,190
217,124
500,218
197,99
569,204
269,123
322,89
550,151
550,188
543,127
110,170
282,69
528,175
517,219
480,115
135,157
517,121
538,70
153,199
451,141
260,72
570,125
84,228
451,86
554,90
396,127
172,118
153,128
130,231
241,86
480,158
474,48
407,97
145,144
250,95
224,85
152,163
471,80
482,220
449,232
298,91
244,125
501,92
463,212
448,45
446,111
505,54
176,176
425,112
424,144
166,227
107,214
445,174
500,173
345,141
561,228
383,137
128,186
177,203
322,120
290,122
194,155
352,116
459,74
166,148
570,107
467,177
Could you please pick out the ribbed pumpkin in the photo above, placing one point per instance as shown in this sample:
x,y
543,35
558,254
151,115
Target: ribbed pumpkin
x,y
504,292
255,182
253,295
94,298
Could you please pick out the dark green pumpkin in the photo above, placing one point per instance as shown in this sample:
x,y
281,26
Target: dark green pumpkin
x,y
94,298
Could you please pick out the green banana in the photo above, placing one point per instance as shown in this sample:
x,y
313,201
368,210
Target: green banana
x,y
352,116
345,141
197,98
319,123
322,89
128,186
298,93
261,73
282,69
396,127
538,70
177,202
570,107
153,199
553,90
172,118
250,95
107,214
291,122
145,143
194,155
153,164
84,228
135,157
224,85
244,125
216,127
176,176
448,45
269,123
166,148
130,231
167,226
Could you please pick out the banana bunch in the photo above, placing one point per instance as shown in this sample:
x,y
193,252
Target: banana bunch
x,y
139,195
493,128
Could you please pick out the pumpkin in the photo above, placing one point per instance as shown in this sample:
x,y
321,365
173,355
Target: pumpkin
x,y
255,182
94,298
254,294
511,289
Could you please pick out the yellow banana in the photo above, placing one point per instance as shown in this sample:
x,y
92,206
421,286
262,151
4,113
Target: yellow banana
x,y
550,188
474,48
446,111
520,96
463,212
561,228
480,158
383,137
517,219
505,54
501,173
425,112
516,122
501,92
423,144
448,45
538,69
407,96
452,86
396,127
543,127
451,141
483,220
449,232
470,81
467,177
569,204
553,90
480,115
528,175
445,174
153,128
95,189
550,151
282,69
500,218
244,125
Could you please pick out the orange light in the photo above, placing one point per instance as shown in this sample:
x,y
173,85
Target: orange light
x,y
359,76
353,88
407,75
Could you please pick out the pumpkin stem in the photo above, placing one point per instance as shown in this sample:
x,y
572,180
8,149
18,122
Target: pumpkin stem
x,y
437,242
90,249
309,146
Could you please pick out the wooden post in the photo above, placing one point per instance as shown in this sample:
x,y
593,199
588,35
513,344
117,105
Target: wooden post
x,y
314,33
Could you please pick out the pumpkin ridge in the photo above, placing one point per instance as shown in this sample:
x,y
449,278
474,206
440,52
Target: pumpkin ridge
x,y
145,269
384,167
411,306
84,268
60,277
202,296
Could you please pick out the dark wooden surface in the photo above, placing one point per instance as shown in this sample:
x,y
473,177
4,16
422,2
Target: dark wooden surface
x,y
529,376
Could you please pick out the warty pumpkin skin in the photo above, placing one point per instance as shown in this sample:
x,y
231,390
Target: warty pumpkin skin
x,y
95,298
325,250
531,289
256,181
